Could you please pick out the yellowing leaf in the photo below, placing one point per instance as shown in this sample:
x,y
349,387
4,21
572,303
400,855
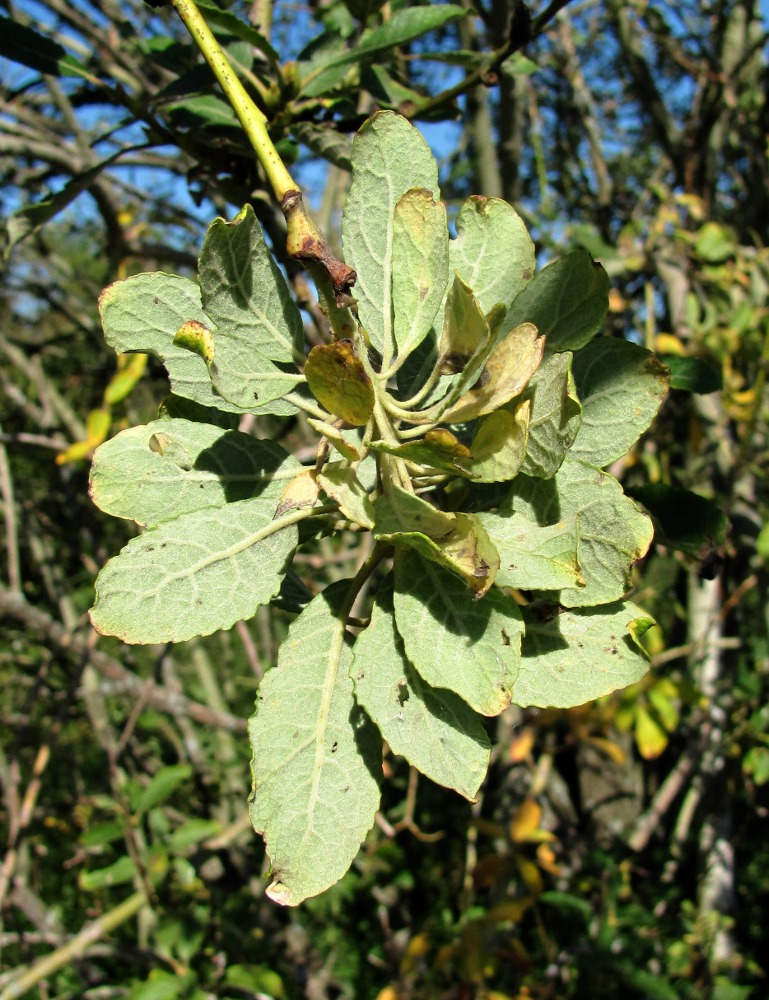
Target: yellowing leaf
x,y
465,330
338,380
546,859
459,542
530,874
509,910
509,368
438,449
339,481
196,337
130,368
521,746
301,492
499,445
416,950
335,437
608,748
97,425
651,739
525,821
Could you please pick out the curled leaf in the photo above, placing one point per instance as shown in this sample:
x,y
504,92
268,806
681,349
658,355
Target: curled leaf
x,y
507,371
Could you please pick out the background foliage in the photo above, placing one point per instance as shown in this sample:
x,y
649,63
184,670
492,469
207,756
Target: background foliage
x,y
615,847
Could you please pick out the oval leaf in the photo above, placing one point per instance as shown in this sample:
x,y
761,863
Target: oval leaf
x,y
315,757
338,380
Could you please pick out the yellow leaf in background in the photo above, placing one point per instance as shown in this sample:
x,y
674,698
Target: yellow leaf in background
x,y
388,993
530,874
668,343
511,910
617,302
651,739
525,821
97,425
521,747
609,748
663,697
415,952
130,368
546,859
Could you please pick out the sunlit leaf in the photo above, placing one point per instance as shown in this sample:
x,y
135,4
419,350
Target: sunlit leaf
x,y
201,572
509,368
315,757
184,466
338,380
469,646
567,302
432,728
621,386
574,656
389,158
607,529
421,252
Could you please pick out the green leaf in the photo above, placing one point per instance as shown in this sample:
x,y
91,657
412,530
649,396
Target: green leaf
x,y
237,27
685,520
567,302
157,471
338,380
572,657
465,333
499,444
325,141
339,481
198,112
389,157
621,386
457,542
438,449
29,218
433,729
118,873
405,25
191,833
606,528
144,312
161,786
315,758
509,368
201,572
692,375
533,558
421,251
470,646
347,449
256,319
22,44
493,251
556,414
715,243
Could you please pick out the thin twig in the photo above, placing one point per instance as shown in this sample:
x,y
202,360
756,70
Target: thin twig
x,y
14,606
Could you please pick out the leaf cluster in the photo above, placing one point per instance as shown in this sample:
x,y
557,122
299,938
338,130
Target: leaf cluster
x,y
464,414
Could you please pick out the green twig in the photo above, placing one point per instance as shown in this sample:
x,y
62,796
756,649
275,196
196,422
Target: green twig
x,y
74,948
250,117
